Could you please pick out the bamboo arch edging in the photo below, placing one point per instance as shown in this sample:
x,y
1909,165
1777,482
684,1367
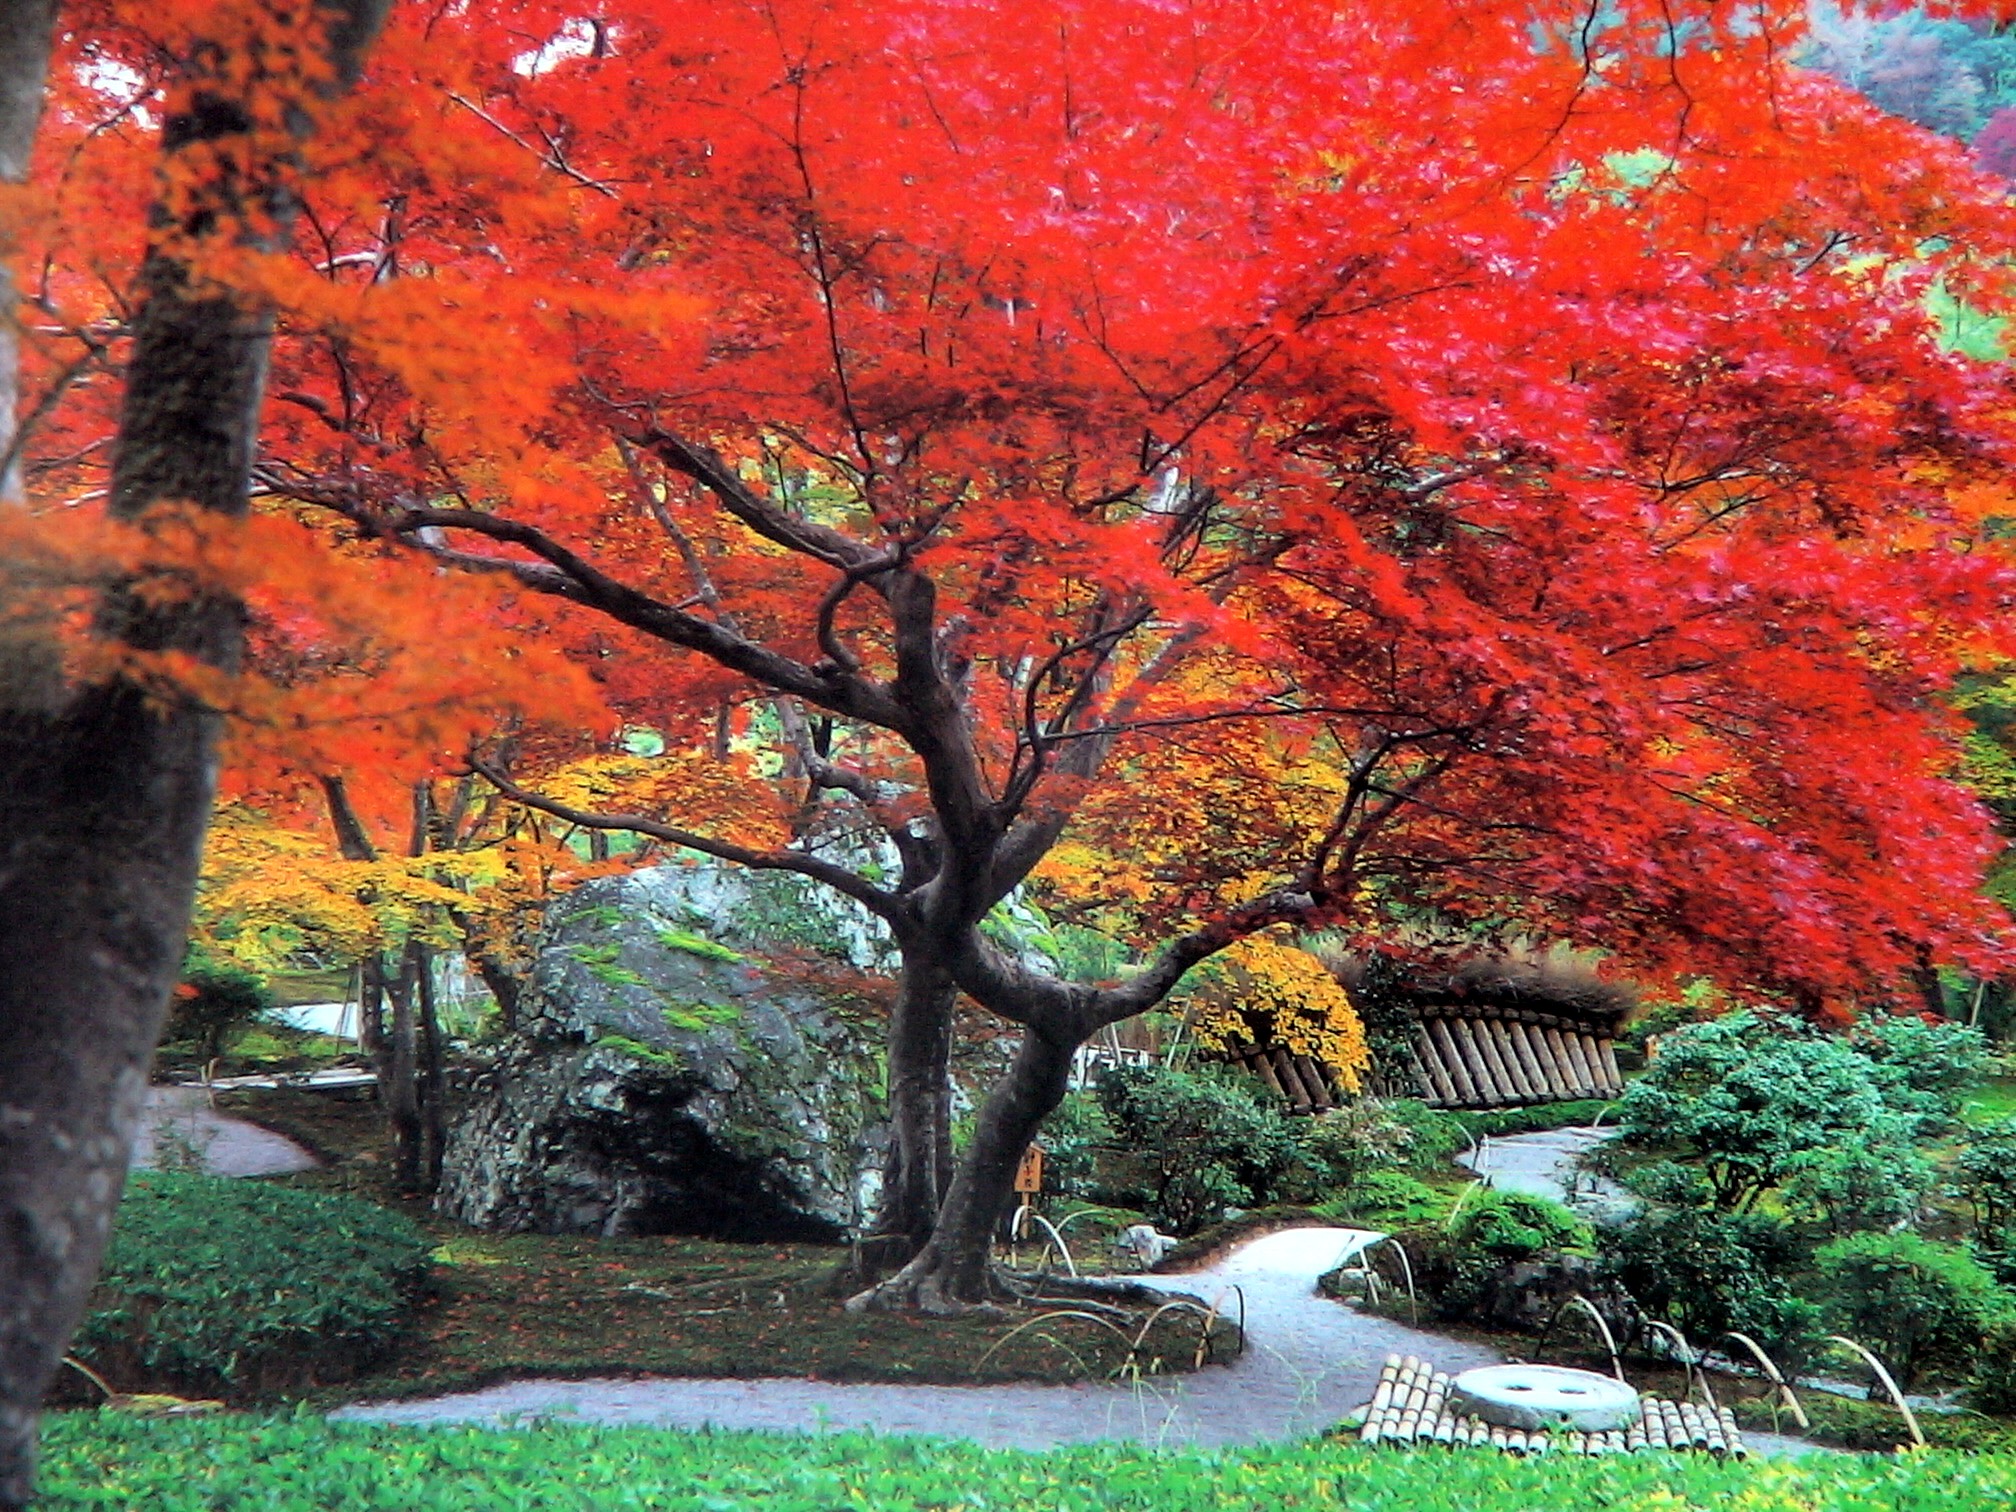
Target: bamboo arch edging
x,y
1883,1375
1776,1377
1602,1327
1690,1357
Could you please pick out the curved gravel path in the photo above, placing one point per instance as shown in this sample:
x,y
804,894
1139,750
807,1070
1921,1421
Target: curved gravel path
x,y
1309,1361
180,1120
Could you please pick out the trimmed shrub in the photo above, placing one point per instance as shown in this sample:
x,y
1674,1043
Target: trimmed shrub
x,y
225,1286
1919,1304
1707,1273
214,998
1201,1142
1518,1226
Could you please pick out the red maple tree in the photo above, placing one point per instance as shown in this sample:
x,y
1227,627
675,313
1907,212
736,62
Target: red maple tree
x,y
1489,462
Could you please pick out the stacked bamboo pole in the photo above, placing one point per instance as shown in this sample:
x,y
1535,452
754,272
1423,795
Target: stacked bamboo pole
x,y
1409,1406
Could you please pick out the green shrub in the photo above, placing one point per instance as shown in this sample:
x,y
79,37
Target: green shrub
x,y
1743,1097
1921,1305
1517,1226
219,1285
1076,1140
1336,1150
1433,1134
1993,1388
1926,1067
1388,1200
1988,1175
214,998
1201,1141
1846,1188
1707,1273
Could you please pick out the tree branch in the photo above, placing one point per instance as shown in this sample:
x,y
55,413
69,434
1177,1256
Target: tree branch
x,y
883,905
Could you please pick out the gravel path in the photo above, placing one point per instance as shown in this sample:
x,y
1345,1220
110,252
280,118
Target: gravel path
x,y
1548,1164
180,1123
1309,1362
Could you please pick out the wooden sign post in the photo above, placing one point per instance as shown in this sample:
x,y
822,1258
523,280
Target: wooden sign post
x,y
1029,1174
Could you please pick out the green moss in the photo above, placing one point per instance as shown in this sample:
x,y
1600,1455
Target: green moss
x,y
601,963
604,915
638,1050
697,945
697,1017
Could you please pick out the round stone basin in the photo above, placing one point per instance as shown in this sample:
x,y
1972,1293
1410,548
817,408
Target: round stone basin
x,y
1543,1396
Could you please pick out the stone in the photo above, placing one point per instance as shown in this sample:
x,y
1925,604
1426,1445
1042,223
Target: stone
x,y
700,1050
1550,1397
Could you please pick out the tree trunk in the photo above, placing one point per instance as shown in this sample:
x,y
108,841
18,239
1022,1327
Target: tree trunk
x,y
105,789
399,1079
950,1275
919,1166
433,1116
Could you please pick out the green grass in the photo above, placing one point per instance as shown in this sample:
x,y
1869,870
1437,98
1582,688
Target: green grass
x,y
103,1460
1993,1101
293,988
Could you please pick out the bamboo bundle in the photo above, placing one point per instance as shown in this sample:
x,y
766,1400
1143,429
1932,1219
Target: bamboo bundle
x,y
1490,1035
1635,1438
1522,1050
1452,1061
1472,1059
1498,1438
1434,1076
1538,1443
1655,1423
1732,1436
1315,1083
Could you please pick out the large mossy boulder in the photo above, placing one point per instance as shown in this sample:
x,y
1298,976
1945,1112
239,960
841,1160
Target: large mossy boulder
x,y
700,1050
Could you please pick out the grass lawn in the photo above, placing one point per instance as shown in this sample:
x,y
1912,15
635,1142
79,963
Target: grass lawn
x,y
1995,1100
110,1460
522,1305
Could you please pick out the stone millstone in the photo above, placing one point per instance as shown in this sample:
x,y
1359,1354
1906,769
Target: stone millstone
x,y
1544,1396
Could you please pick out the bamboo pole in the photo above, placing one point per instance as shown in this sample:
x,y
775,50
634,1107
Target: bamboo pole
x,y
1583,1050
1467,1092
1429,1059
1486,1033
1316,1082
1543,1058
1299,1100
1260,1066
1612,1076
1522,1047
1474,1062
1562,1061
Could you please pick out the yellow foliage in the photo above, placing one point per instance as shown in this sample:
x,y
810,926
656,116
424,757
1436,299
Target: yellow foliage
x,y
1259,992
267,891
